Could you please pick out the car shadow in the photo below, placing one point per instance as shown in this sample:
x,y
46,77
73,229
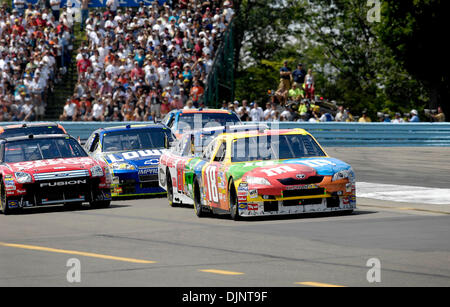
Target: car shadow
x,y
60,208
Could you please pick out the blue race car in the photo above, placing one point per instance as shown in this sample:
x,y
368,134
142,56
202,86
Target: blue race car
x,y
132,153
182,121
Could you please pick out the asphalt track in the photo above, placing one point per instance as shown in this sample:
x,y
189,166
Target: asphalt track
x,y
144,242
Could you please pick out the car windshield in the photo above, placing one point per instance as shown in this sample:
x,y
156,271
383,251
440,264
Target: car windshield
x,y
135,139
41,149
191,121
275,147
25,131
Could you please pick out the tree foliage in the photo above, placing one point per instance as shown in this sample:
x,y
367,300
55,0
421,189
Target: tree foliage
x,y
362,64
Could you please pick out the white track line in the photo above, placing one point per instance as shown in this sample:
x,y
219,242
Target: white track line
x,y
401,193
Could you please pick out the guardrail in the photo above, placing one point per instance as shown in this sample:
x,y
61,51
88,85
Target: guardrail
x,y
328,134
375,134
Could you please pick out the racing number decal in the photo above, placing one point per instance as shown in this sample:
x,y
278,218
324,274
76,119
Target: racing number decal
x,y
180,174
211,183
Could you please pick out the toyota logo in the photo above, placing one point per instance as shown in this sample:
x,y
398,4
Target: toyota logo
x,y
300,176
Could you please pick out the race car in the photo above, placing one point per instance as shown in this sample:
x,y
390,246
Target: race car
x,y
46,170
132,153
31,129
274,172
191,144
181,121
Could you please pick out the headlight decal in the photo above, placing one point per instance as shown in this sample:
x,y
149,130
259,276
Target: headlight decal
x,y
22,177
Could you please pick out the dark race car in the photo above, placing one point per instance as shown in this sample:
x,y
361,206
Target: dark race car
x,y
132,153
31,129
48,170
181,121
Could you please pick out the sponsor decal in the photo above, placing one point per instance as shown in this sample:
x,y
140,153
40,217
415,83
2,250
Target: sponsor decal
x,y
253,194
13,204
318,163
253,207
302,187
349,187
346,201
243,206
243,186
242,198
135,155
148,171
43,163
63,183
278,170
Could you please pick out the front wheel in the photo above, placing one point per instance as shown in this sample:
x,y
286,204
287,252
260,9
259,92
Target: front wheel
x,y
3,200
234,206
198,207
169,186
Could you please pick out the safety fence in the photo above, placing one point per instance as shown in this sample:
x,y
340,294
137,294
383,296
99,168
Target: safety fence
x,y
328,134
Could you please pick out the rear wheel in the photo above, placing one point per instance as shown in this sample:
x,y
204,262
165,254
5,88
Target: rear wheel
x,y
198,207
170,190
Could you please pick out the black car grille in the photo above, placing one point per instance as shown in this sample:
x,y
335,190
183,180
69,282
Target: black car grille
x,y
293,181
305,192
148,178
62,189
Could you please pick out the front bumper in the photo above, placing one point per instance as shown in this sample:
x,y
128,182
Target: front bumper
x,y
314,198
296,206
35,195
128,183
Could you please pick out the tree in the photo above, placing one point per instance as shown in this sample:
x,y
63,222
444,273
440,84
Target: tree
x,y
412,30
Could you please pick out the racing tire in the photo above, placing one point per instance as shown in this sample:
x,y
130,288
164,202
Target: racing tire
x,y
4,200
233,201
101,204
198,207
169,189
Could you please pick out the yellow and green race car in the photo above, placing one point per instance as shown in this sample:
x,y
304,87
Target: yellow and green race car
x,y
258,173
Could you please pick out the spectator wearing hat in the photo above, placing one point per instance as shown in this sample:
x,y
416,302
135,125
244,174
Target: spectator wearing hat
x,y
295,93
285,83
414,117
299,75
364,118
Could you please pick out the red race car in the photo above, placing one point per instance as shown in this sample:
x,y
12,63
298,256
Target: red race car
x,y
46,170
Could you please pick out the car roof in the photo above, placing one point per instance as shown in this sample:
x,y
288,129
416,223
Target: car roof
x,y
34,137
136,126
30,125
197,111
253,133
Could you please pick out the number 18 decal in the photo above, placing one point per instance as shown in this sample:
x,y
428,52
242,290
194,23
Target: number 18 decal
x,y
211,182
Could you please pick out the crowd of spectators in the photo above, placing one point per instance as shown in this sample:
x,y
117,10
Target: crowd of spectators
x,y
35,47
295,101
139,63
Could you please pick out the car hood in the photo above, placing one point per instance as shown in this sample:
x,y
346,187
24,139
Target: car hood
x,y
288,168
52,165
138,158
